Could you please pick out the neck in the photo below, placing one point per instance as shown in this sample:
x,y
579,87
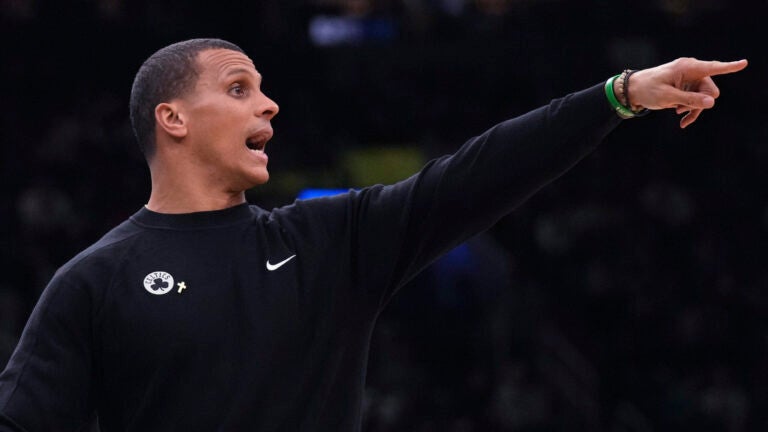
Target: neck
x,y
174,191
173,203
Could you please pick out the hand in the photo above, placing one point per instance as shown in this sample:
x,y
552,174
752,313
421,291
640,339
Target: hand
x,y
684,84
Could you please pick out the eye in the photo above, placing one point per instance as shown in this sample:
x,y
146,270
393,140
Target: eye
x,y
237,90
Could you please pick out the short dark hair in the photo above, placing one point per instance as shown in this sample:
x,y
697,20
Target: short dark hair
x,y
168,73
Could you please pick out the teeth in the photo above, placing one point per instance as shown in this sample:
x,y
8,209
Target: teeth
x,y
256,143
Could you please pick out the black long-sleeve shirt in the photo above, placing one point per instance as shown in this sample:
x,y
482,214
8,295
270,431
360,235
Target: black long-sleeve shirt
x,y
246,319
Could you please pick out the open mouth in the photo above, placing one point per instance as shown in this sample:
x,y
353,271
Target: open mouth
x,y
258,141
256,144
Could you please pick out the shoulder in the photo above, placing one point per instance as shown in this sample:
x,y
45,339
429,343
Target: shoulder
x,y
103,255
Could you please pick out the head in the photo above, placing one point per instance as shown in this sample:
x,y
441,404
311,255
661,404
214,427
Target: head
x,y
203,97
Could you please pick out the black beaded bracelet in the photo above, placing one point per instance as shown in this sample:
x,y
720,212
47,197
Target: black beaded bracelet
x,y
622,94
625,90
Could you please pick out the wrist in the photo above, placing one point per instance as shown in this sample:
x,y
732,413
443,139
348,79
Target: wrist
x,y
617,91
611,88
630,101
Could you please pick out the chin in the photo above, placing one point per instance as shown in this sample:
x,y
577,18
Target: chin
x,y
250,181
259,179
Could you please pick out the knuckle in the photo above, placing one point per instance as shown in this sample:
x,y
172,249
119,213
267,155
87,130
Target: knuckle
x,y
682,63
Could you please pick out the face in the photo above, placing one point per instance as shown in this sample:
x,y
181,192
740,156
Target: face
x,y
228,120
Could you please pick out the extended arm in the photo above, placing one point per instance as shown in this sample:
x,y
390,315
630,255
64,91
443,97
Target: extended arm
x,y
389,233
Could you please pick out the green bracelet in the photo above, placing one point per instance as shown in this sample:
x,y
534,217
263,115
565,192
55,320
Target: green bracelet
x,y
620,109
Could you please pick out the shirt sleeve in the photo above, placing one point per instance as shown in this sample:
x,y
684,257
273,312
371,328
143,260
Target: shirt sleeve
x,y
47,383
390,233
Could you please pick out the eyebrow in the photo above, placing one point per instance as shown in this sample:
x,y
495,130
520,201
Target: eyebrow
x,y
241,71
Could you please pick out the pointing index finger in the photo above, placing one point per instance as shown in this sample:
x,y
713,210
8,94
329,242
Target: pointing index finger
x,y
714,67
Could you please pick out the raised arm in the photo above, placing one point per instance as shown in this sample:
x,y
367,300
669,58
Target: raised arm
x,y
389,233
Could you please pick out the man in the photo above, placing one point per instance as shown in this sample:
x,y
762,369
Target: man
x,y
204,313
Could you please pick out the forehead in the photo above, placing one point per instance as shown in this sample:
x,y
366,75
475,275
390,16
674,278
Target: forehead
x,y
220,62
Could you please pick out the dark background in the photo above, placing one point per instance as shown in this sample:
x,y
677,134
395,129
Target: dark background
x,y
629,295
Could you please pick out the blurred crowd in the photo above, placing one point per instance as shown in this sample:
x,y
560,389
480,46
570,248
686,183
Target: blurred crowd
x,y
629,295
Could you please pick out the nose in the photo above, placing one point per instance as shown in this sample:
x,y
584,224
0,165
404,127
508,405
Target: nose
x,y
267,107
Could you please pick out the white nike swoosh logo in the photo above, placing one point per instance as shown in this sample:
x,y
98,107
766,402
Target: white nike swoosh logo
x,y
273,267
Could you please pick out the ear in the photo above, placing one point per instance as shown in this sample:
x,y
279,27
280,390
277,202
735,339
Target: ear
x,y
171,120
